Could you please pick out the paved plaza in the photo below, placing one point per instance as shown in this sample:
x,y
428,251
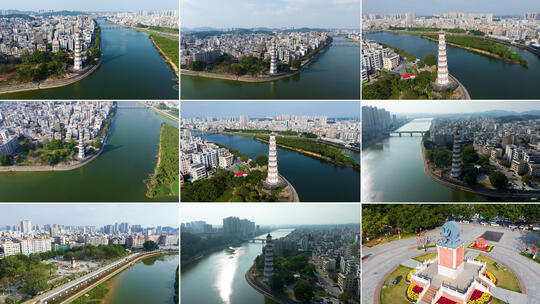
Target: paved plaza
x,y
383,259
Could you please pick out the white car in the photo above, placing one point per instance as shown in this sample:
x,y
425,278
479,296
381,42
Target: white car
x,y
484,223
494,224
512,226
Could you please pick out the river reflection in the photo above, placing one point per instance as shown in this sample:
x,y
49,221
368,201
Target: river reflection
x,y
225,277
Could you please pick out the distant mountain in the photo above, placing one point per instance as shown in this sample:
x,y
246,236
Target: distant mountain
x,y
198,29
63,13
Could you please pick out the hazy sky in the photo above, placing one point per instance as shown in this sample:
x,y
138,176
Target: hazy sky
x,y
94,5
273,214
400,106
430,7
270,13
147,215
270,108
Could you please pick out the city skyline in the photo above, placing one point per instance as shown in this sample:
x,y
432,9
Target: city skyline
x,y
429,7
147,215
454,107
262,109
269,215
95,6
279,13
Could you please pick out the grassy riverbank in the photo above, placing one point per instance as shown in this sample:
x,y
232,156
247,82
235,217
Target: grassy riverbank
x,y
165,180
169,48
316,150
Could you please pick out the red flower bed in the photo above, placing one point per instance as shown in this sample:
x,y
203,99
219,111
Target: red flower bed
x,y
481,248
417,289
476,294
443,300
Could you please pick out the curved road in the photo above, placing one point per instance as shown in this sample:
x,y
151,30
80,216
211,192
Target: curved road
x,y
382,259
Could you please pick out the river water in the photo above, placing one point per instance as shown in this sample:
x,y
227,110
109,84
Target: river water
x,y
149,281
334,75
483,76
131,68
118,174
314,180
220,276
393,171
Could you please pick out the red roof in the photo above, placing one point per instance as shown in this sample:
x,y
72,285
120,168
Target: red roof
x,y
406,75
239,173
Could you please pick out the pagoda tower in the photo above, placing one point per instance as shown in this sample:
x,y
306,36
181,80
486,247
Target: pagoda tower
x,y
456,155
77,61
80,146
272,178
268,259
273,59
442,66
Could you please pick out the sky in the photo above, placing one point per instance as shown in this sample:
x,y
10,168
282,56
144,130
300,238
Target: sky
x,y
273,214
260,109
270,13
147,215
451,107
94,5
430,7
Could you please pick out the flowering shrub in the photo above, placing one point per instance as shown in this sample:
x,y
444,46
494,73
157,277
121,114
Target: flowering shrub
x,y
491,277
487,248
443,300
413,292
479,297
409,275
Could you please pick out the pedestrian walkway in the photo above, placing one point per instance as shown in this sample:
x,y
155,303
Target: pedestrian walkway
x,y
471,255
509,296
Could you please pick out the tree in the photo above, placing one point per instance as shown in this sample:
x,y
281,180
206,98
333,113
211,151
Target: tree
x,y
303,290
262,159
276,283
198,65
35,280
410,58
296,63
97,142
372,92
243,158
430,59
498,180
252,164
6,160
421,64
150,245
526,178
345,297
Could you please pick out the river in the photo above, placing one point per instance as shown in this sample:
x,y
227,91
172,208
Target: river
x,y
220,276
483,76
334,75
393,171
314,180
118,174
149,281
131,68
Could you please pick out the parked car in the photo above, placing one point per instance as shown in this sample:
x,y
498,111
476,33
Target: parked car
x,y
495,224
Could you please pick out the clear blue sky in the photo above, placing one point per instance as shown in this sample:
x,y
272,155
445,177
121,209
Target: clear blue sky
x,y
94,5
147,215
430,7
273,214
451,107
259,109
270,13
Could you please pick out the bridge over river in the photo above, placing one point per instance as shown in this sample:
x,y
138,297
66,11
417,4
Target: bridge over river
x,y
421,133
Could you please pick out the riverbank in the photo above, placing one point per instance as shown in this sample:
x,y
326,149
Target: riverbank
x,y
63,167
258,78
165,179
173,65
459,185
107,282
309,153
251,279
50,83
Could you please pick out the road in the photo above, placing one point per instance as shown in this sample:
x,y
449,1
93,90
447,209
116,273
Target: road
x,y
382,259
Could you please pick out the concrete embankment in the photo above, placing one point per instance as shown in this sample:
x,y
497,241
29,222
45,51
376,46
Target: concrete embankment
x,y
237,78
456,184
49,84
264,289
292,192
461,89
50,168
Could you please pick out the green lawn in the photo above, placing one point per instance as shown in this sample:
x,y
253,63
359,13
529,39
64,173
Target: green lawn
x,y
395,294
496,301
425,256
391,238
506,279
